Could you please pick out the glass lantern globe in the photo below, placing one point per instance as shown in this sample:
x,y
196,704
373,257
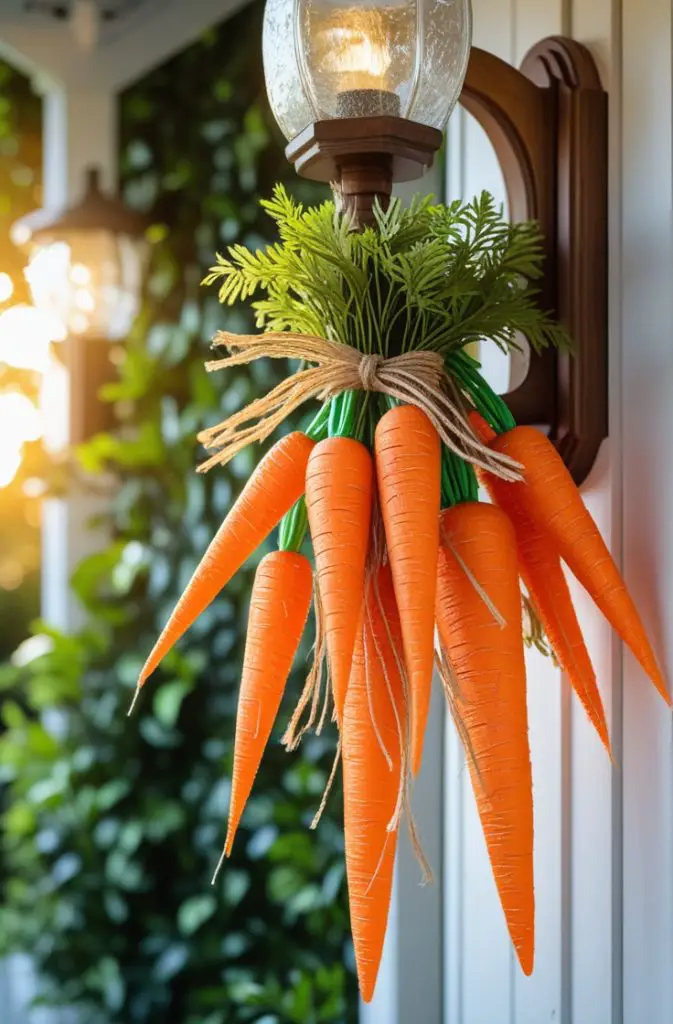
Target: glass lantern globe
x,y
326,59
86,266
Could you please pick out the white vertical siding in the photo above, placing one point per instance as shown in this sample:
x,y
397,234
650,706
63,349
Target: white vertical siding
x,y
604,857
604,835
647,426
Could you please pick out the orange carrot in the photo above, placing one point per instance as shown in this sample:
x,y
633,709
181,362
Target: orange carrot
x,y
408,466
480,634
550,498
272,490
339,482
542,573
374,717
279,607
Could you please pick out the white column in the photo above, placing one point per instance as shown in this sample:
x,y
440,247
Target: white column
x,y
80,130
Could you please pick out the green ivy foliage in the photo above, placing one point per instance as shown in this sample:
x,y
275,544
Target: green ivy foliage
x,y
112,827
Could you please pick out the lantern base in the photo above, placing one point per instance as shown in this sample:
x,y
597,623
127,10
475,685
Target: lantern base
x,y
363,180
91,368
367,103
363,156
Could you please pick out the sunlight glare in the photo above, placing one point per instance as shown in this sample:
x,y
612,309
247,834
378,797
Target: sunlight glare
x,y
12,574
6,287
20,423
20,420
25,336
54,402
85,300
80,275
10,462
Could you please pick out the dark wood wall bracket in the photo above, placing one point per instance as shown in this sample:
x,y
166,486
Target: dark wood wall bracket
x,y
548,126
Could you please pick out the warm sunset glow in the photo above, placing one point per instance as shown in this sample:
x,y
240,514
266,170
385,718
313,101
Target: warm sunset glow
x,y
20,423
47,275
6,287
20,420
25,336
12,574
10,463
80,275
54,402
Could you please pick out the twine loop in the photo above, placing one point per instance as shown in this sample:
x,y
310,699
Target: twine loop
x,y
413,378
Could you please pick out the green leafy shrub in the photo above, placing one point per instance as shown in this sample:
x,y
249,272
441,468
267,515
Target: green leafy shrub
x,y
112,828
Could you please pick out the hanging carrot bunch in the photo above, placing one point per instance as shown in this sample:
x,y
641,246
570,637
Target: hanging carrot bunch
x,y
382,528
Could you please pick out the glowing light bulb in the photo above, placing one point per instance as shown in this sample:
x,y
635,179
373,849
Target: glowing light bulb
x,y
357,56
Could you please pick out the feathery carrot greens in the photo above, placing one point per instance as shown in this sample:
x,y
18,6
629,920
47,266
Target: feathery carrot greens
x,y
426,277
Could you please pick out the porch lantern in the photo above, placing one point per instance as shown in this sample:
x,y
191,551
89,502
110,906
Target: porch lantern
x,y
85,269
363,91
86,263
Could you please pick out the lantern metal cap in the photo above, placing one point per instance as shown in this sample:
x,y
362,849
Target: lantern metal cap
x,y
95,212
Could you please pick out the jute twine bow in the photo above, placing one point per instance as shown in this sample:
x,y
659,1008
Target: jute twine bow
x,y
413,378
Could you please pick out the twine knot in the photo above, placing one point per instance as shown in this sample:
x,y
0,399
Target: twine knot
x,y
368,370
416,378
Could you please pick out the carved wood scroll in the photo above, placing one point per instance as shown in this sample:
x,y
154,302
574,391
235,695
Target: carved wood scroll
x,y
548,126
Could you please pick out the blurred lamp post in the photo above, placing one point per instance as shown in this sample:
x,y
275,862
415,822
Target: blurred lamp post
x,y
85,270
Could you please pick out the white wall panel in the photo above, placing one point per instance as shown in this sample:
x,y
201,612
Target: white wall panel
x,y
647,389
576,795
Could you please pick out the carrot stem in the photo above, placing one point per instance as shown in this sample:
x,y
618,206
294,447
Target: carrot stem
x,y
490,405
342,415
292,530
459,482
293,526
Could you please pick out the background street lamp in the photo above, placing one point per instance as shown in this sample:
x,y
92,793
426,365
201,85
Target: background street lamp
x,y
85,269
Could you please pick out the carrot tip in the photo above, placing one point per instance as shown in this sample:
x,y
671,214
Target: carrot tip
x,y
527,967
136,697
220,864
